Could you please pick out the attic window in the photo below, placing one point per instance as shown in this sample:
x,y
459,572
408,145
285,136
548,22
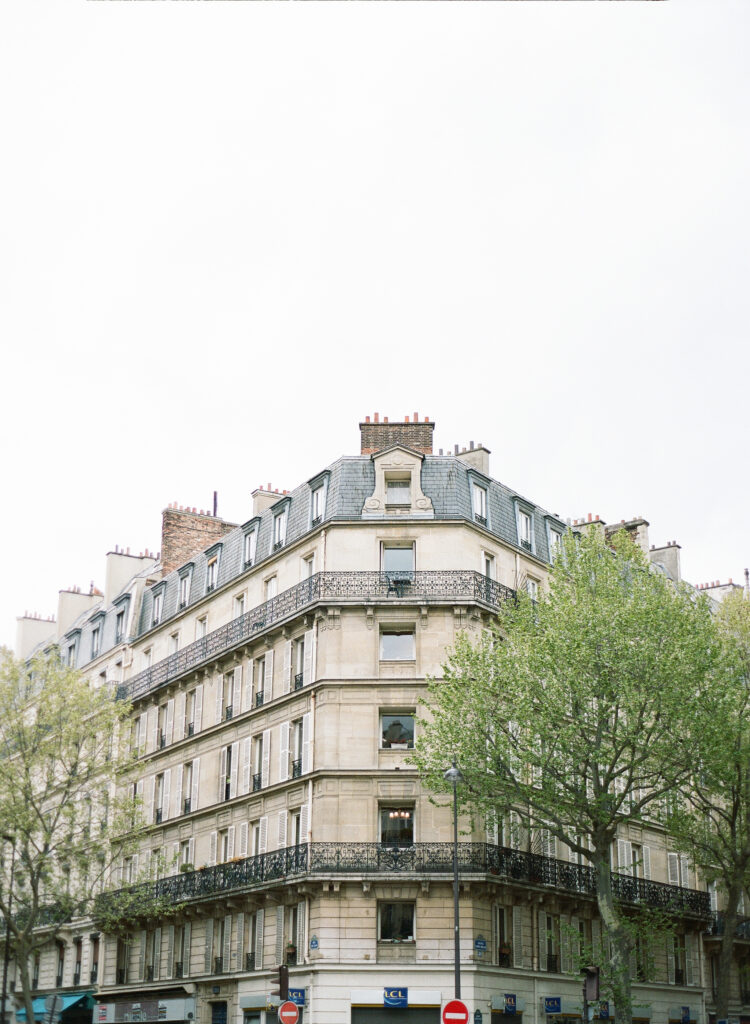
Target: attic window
x,y
279,530
479,502
251,540
398,490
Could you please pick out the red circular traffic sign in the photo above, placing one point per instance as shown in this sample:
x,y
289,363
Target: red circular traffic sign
x,y
455,1012
288,1013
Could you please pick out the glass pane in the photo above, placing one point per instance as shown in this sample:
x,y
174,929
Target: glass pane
x,y
397,646
397,559
396,826
397,492
398,731
397,921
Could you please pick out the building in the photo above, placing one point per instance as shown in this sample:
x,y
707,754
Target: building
x,y
276,669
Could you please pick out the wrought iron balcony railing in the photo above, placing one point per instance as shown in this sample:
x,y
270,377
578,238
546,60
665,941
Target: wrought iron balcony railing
x,y
742,931
514,866
423,587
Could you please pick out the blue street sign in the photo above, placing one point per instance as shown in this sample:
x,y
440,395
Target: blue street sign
x,y
477,1017
480,945
314,942
396,998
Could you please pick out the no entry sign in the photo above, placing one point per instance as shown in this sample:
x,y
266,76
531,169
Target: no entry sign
x,y
455,1012
288,1013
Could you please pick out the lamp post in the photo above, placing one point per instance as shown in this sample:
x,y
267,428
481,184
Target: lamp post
x,y
454,776
6,952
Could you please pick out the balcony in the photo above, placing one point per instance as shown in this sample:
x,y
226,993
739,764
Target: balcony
x,y
716,928
150,972
448,586
158,815
191,728
299,680
482,520
479,859
526,545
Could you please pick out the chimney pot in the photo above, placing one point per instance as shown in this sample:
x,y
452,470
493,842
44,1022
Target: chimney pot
x,y
377,417
406,418
367,419
589,517
385,419
416,417
269,487
455,449
596,517
427,419
471,446
440,451
730,580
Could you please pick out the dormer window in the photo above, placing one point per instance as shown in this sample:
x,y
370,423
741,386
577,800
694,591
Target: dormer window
x,y
479,503
96,641
279,530
524,529
158,607
120,625
251,540
184,590
398,490
70,655
317,506
212,567
555,544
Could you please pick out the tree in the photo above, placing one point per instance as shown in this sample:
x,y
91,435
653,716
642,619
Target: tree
x,y
60,760
712,820
577,710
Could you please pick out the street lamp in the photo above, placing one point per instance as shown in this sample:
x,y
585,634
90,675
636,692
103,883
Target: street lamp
x,y
454,776
6,953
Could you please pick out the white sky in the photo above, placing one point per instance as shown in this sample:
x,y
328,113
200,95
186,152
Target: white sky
x,y
230,231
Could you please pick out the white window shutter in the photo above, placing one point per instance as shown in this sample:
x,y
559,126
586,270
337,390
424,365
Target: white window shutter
x,y
179,717
222,773
198,706
282,830
624,856
517,937
286,679
248,699
178,773
169,725
219,684
166,793
283,751
234,770
157,953
542,918
268,684
174,864
212,849
186,936
153,728
239,953
170,952
266,765
300,937
307,743
565,953
670,961
245,779
684,870
713,897
230,842
263,834
673,869
226,953
308,662
237,691
150,790
279,935
259,922
496,911
191,851
243,840
208,963
196,780
146,864
142,957
689,966
646,854
304,823
575,943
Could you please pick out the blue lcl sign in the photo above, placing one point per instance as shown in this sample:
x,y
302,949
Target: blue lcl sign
x,y
297,996
510,1003
396,998
553,1004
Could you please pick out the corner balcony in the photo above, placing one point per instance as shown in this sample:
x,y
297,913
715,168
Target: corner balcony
x,y
480,860
450,585
717,927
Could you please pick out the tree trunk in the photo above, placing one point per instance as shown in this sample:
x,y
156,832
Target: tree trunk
x,y
22,963
619,937
724,979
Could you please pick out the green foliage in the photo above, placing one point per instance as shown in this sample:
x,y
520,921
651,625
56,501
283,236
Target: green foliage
x,y
578,711
120,911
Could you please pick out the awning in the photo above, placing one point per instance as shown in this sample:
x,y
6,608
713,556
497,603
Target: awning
x,y
63,1003
38,1005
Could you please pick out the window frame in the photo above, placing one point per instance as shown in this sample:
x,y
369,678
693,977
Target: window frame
x,y
397,940
405,811
184,586
398,630
384,713
250,547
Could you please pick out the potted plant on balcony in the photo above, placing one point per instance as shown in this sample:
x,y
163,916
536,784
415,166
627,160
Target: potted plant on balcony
x,y
291,952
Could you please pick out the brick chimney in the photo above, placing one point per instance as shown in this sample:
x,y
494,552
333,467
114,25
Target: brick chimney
x,y
185,532
376,435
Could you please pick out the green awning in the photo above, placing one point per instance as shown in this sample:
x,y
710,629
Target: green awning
x,y
63,1003
38,1005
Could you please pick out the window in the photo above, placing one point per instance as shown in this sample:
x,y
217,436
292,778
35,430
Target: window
x,y
279,530
398,490
94,958
397,826
396,922
398,562
479,501
184,589
96,641
308,566
548,932
186,852
187,789
397,731
120,626
70,656
226,769
78,949
201,627
239,605
524,530
317,506
146,658
257,762
157,609
225,846
296,747
212,573
159,799
251,539
193,709
532,588
555,544
269,588
299,663
397,645
488,565
260,681
174,643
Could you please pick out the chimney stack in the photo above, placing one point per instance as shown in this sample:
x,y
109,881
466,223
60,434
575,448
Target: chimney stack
x,y
374,436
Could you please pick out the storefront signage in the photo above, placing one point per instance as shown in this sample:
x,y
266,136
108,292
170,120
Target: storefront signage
x,y
604,1010
480,945
685,1014
396,998
510,1003
553,1004
297,996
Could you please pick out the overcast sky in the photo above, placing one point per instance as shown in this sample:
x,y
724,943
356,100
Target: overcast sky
x,y
232,230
